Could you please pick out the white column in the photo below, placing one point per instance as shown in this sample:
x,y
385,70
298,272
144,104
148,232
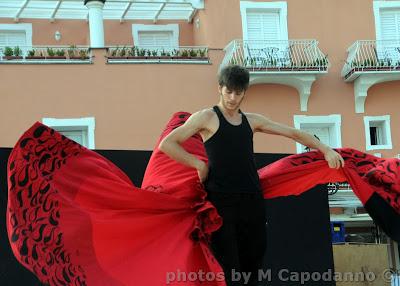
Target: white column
x,y
96,23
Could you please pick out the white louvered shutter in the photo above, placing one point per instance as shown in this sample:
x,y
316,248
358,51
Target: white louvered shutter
x,y
390,35
264,33
157,39
263,26
12,38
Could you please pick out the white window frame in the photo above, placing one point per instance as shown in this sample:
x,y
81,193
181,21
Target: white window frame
x,y
378,6
386,119
174,28
280,6
27,27
88,122
333,121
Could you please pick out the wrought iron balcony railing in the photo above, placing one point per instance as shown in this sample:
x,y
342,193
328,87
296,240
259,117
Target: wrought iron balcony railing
x,y
372,56
276,56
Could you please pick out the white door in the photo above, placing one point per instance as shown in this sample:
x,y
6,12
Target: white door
x,y
263,39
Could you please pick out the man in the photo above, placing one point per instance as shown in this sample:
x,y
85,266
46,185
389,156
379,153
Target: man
x,y
231,178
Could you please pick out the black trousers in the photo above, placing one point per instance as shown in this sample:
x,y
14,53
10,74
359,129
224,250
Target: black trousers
x,y
239,245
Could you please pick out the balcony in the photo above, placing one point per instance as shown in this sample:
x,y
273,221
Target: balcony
x,y
342,196
45,55
158,55
369,63
296,63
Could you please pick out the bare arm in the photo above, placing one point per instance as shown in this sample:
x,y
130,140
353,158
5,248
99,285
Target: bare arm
x,y
265,125
171,144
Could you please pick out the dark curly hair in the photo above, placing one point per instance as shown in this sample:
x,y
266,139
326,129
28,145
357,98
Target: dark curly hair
x,y
234,77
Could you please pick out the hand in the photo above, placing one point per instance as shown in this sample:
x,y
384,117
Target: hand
x,y
334,159
202,171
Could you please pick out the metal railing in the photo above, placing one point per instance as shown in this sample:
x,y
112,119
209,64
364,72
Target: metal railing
x,y
44,53
365,55
292,55
395,278
143,53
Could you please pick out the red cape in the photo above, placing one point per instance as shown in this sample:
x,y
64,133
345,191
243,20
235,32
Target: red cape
x,y
74,218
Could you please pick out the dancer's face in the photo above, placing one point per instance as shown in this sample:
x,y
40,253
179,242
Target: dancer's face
x,y
231,99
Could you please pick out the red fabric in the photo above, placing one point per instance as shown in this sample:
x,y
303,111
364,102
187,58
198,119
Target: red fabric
x,y
366,174
74,218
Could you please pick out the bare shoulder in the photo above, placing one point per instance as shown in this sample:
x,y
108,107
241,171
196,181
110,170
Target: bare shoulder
x,y
256,120
202,118
255,117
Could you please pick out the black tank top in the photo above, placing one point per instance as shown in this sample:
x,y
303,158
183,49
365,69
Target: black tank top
x,y
231,159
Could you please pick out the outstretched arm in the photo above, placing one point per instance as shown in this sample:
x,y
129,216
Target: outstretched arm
x,y
171,144
265,125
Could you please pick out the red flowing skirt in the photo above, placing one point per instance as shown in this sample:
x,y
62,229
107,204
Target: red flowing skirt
x,y
74,218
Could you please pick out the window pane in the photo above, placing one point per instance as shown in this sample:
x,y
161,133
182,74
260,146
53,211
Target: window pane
x,y
373,135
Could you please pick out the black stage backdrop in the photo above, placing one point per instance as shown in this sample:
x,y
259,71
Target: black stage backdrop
x,y
298,228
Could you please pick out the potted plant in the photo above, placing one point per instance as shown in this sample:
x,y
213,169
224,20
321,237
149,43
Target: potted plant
x,y
9,53
60,54
51,53
84,54
131,53
122,53
202,54
176,54
35,55
17,53
141,54
184,55
192,53
270,64
71,52
152,54
118,53
164,55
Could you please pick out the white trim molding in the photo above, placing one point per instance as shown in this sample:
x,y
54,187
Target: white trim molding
x,y
174,28
197,4
378,6
27,27
386,133
332,121
84,122
268,6
364,82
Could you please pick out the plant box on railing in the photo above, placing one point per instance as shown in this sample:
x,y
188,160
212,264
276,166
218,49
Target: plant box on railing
x,y
117,57
12,57
56,57
79,58
35,57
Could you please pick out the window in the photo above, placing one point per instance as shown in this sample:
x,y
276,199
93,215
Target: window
x,y
265,32
387,22
156,36
325,128
81,130
12,35
377,132
266,21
